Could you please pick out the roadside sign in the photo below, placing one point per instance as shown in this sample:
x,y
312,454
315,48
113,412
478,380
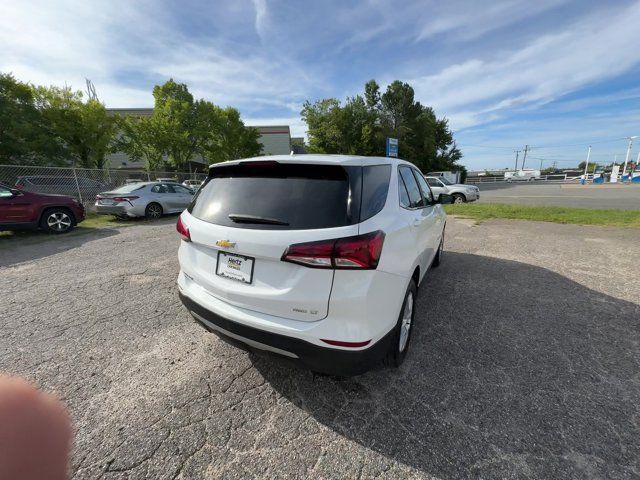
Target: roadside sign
x,y
392,147
615,171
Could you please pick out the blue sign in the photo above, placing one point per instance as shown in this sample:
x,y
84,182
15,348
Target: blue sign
x,y
392,147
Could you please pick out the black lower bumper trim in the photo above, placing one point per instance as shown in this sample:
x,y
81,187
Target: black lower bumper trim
x,y
327,360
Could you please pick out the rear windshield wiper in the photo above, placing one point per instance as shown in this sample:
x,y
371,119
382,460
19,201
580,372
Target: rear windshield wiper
x,y
240,218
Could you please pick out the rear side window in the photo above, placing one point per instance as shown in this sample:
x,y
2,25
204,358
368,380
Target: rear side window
x,y
375,187
402,191
280,196
426,191
162,188
415,197
132,187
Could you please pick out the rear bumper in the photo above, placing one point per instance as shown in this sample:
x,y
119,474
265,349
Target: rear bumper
x,y
110,209
326,360
80,213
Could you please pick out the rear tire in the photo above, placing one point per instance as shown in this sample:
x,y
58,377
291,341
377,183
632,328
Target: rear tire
x,y
153,211
402,336
57,220
459,198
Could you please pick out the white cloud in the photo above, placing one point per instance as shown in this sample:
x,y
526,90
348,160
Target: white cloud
x,y
464,23
126,48
554,64
261,16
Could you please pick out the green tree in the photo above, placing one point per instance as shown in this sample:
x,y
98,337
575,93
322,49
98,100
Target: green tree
x,y
363,123
25,135
84,129
591,168
178,114
142,139
181,128
221,135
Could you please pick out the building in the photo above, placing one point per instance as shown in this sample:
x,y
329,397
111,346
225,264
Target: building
x,y
275,140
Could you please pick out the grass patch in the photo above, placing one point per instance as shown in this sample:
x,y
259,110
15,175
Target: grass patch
x,y
90,223
93,221
578,216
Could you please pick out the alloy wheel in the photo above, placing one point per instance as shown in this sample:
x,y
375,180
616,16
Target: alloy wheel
x,y
59,222
405,325
155,211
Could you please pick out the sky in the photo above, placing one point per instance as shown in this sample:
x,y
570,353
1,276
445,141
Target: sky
x,y
557,75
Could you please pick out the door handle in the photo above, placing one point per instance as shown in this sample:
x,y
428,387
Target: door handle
x,y
416,222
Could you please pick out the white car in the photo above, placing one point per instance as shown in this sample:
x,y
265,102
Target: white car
x,y
324,268
193,184
460,192
144,199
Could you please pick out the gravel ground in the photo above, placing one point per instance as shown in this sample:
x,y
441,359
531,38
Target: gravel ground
x,y
524,364
608,196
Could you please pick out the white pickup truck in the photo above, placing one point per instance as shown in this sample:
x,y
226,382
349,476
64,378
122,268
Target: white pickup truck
x,y
460,192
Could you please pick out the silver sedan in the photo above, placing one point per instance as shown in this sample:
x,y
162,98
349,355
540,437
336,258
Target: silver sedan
x,y
144,199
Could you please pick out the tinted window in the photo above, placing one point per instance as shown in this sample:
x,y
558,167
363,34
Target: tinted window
x,y
433,182
132,187
375,187
181,190
415,197
302,196
426,191
161,189
37,180
402,191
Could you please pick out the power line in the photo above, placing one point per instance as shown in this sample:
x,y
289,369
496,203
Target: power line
x,y
608,140
581,144
482,146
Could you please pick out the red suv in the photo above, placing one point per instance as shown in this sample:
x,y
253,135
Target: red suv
x,y
20,210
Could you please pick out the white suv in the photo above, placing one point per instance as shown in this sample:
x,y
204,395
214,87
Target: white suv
x,y
314,257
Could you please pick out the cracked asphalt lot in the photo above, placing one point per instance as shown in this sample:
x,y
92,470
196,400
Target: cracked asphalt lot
x,y
524,363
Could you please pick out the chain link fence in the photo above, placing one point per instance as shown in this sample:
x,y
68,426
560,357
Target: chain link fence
x,y
82,183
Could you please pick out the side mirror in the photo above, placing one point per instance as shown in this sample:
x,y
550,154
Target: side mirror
x,y
445,199
16,192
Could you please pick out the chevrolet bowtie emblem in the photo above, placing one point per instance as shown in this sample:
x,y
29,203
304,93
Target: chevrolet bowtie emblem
x,y
225,244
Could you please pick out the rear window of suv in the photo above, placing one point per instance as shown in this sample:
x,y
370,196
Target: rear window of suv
x,y
286,196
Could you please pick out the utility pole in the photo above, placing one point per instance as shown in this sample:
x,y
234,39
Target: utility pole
x,y
524,159
586,165
624,169
540,165
517,152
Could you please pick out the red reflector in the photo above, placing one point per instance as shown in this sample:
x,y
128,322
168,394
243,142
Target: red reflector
x,y
182,230
339,343
361,252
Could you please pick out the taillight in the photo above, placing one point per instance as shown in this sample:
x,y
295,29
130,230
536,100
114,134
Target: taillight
x,y
361,252
124,199
183,231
